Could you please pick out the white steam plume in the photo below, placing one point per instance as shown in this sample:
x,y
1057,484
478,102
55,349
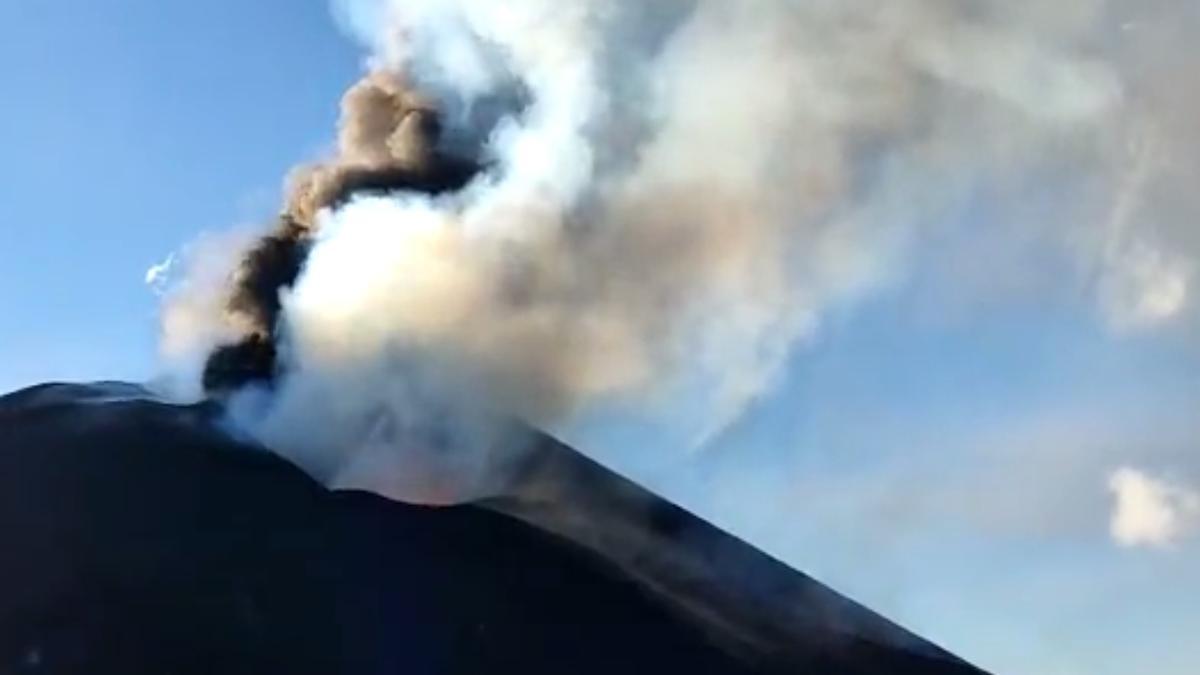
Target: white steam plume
x,y
681,189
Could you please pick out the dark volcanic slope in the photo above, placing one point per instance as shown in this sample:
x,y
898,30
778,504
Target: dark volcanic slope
x,y
138,538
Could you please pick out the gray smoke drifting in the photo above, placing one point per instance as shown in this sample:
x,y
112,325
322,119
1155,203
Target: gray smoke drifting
x,y
539,207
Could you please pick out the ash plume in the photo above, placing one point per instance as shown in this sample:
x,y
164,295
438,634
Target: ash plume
x,y
538,209
387,141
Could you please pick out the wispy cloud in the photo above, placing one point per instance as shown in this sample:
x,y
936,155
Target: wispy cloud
x,y
158,274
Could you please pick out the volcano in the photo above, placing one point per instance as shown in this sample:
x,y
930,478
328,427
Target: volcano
x,y
143,537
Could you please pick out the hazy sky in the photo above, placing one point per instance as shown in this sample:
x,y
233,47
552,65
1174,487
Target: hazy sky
x,y
959,471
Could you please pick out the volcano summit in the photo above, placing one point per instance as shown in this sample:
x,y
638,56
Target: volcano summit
x,y
144,538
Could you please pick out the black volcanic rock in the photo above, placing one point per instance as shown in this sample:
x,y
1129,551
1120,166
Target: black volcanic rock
x,y
138,537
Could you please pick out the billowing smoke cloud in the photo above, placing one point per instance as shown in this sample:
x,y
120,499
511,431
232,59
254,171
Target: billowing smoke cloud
x,y
538,208
1150,511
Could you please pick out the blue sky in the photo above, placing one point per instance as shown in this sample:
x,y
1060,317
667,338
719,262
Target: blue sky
x,y
949,470
128,128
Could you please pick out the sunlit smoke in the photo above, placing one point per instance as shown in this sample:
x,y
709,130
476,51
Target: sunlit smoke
x,y
540,207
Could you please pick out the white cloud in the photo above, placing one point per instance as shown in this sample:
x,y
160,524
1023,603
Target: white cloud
x,y
1145,288
1150,511
157,275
